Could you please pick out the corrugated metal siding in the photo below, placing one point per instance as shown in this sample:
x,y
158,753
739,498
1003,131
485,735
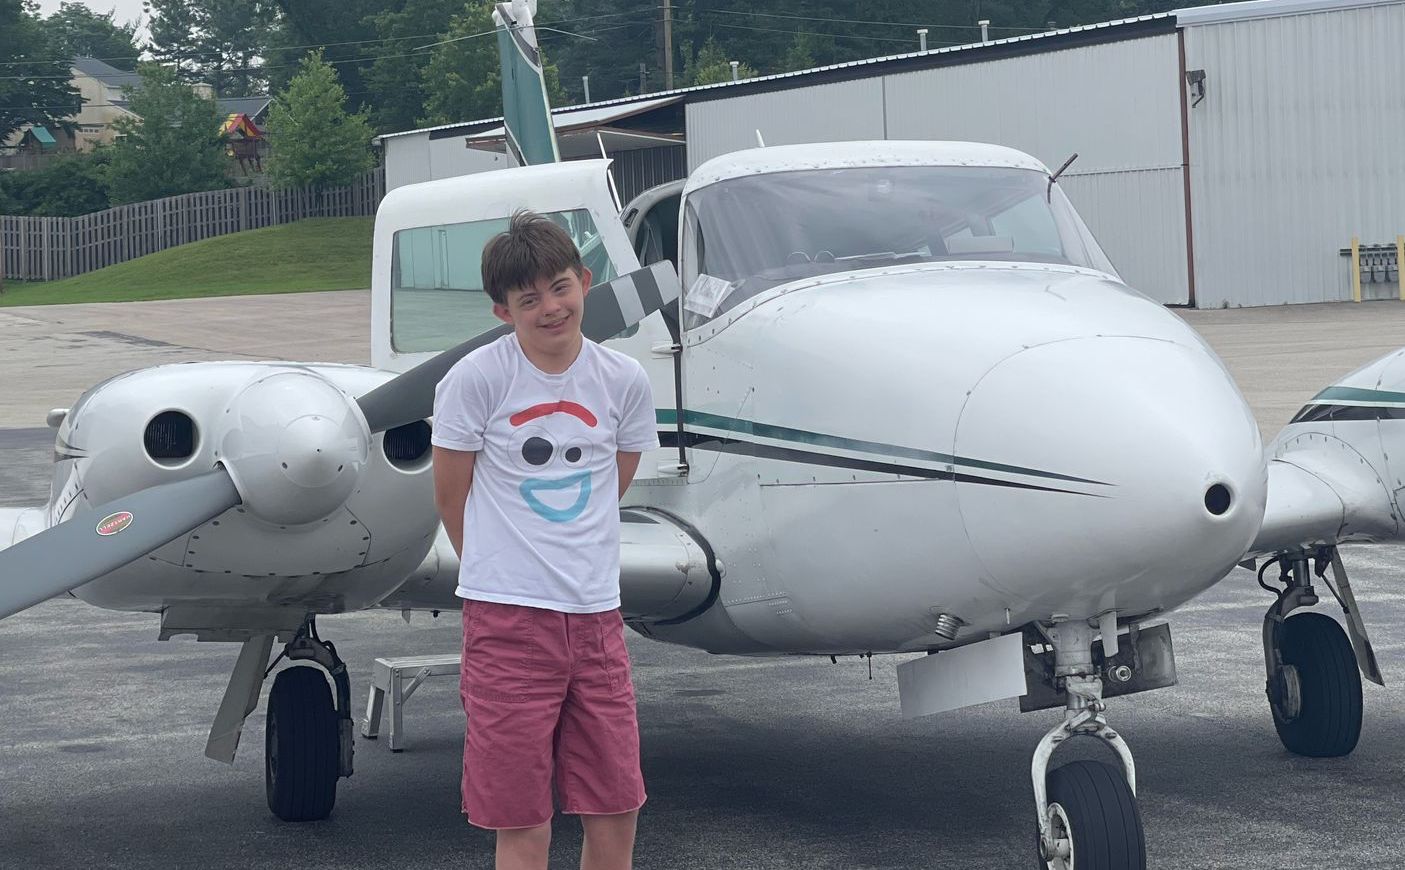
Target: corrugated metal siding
x,y
1116,105
406,160
1139,219
638,170
1296,147
844,111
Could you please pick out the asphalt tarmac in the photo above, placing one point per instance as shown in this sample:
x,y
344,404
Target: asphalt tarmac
x,y
750,763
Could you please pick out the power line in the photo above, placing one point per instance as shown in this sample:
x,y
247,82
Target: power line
x,y
862,21
273,48
819,33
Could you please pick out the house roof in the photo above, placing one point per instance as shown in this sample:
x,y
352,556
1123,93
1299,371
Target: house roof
x,y
106,72
251,106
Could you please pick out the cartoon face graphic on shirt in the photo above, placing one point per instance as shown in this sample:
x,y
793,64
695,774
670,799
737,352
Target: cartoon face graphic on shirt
x,y
549,439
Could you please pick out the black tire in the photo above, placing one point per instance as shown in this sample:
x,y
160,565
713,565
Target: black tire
x,y
1330,721
300,746
1103,816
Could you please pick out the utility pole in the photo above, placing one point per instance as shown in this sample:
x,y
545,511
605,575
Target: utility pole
x,y
585,82
921,39
643,76
985,30
668,44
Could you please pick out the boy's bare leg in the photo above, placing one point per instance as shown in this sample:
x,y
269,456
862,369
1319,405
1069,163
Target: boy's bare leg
x,y
609,841
524,848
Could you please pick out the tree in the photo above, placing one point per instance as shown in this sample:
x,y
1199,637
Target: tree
x,y
315,142
395,78
34,89
218,42
463,80
76,30
711,65
67,186
173,146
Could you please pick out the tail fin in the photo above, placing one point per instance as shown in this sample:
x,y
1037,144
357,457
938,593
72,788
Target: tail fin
x,y
531,136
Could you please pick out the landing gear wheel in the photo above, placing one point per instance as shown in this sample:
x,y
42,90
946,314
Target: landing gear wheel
x,y
1328,723
300,746
1094,819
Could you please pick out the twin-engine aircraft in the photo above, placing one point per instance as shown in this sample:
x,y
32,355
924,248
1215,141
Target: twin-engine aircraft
x,y
907,405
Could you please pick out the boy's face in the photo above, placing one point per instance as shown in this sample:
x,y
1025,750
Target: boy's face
x,y
547,315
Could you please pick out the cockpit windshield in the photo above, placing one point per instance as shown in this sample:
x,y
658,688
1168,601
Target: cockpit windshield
x,y
748,234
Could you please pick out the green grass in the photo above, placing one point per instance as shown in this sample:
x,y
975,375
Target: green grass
x,y
316,254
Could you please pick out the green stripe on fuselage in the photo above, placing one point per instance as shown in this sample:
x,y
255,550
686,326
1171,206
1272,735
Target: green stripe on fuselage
x,y
1359,395
669,417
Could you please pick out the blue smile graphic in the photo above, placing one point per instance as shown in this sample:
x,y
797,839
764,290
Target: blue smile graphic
x,y
531,485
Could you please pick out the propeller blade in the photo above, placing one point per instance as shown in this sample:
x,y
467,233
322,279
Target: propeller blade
x,y
610,308
97,542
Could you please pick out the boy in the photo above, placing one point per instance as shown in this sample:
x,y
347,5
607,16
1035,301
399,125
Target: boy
x,y
536,438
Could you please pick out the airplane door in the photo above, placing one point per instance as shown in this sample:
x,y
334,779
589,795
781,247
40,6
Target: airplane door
x,y
426,284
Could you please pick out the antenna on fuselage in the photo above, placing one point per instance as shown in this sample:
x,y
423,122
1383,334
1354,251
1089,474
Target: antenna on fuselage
x,y
1049,195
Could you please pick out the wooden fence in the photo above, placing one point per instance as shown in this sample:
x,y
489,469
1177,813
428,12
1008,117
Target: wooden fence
x,y
47,248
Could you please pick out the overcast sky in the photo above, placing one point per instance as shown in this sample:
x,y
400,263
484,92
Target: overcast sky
x,y
127,10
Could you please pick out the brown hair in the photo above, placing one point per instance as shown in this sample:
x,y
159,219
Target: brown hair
x,y
533,247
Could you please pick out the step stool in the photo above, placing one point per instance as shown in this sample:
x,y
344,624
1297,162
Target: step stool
x,y
390,676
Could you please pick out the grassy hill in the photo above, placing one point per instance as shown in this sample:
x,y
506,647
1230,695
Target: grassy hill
x,y
316,254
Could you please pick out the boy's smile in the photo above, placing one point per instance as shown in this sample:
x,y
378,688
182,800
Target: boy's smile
x,y
546,316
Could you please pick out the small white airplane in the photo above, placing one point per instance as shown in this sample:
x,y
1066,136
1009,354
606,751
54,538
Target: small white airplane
x,y
907,405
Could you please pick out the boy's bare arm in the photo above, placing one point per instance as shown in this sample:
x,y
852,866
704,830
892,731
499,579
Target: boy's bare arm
x,y
628,464
453,476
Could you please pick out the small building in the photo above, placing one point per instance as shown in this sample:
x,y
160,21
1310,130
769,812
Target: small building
x,y
1226,154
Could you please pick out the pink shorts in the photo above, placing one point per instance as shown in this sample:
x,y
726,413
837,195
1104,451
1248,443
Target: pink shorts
x,y
549,699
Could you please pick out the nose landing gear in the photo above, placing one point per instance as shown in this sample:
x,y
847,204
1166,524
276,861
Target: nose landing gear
x,y
307,739
1314,685
1087,811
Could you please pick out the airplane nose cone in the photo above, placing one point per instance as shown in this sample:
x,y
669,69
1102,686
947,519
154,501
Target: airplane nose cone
x,y
295,446
314,449
1142,482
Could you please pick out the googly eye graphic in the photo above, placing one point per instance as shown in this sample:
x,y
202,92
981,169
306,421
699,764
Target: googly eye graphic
x,y
576,452
532,448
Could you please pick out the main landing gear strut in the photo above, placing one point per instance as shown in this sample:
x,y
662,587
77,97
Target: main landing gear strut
x,y
1087,810
1314,686
308,739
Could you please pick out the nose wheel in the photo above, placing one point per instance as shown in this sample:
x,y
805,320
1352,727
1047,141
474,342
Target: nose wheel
x,y
307,738
1314,666
1087,812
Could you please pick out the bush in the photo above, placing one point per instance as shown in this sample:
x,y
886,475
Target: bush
x,y
67,186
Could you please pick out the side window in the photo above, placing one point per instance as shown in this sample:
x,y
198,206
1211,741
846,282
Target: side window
x,y
437,297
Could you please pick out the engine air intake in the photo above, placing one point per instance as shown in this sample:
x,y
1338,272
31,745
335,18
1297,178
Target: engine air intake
x,y
170,437
406,446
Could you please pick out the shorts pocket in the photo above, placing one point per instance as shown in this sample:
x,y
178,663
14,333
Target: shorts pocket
x,y
614,655
499,652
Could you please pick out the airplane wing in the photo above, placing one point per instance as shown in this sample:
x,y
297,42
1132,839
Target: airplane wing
x,y
668,573
81,549
1337,471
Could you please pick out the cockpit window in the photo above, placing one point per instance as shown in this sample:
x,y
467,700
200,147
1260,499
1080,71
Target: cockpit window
x,y
765,230
437,298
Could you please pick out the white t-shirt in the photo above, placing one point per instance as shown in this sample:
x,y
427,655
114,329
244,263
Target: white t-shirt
x,y
542,526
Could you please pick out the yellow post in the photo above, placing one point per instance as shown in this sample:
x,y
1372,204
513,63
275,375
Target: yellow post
x,y
1399,264
1355,269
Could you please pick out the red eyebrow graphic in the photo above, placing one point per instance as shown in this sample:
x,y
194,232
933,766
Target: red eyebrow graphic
x,y
542,410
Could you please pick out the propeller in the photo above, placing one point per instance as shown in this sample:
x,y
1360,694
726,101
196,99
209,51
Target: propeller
x,y
96,542
100,541
610,308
